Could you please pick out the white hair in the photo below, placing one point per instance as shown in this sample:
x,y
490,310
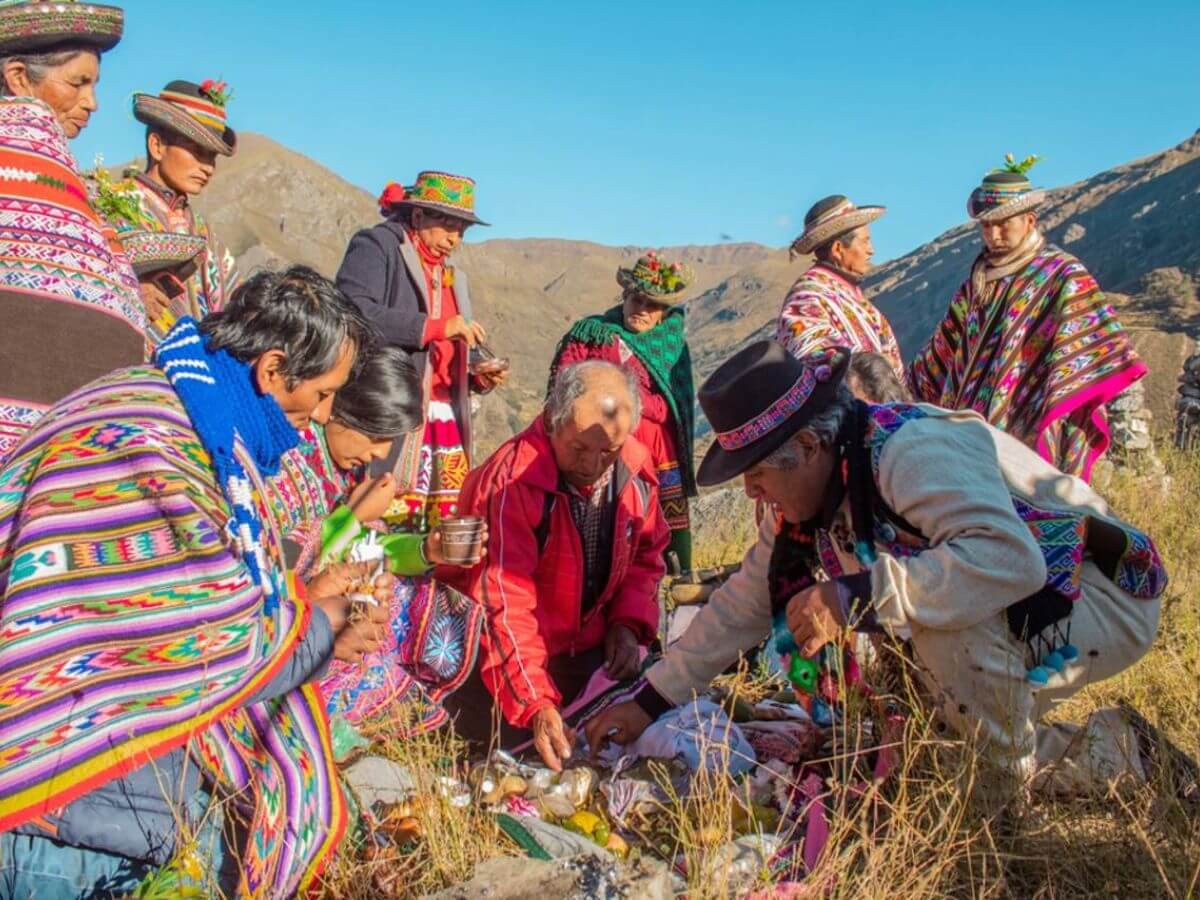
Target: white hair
x,y
825,426
572,382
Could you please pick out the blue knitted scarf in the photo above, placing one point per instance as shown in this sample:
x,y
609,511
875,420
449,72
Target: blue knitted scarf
x,y
223,403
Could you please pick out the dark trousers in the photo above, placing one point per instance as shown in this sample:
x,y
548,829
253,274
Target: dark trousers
x,y
475,716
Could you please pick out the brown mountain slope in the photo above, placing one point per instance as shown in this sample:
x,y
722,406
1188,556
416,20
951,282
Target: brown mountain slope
x,y
1135,226
526,292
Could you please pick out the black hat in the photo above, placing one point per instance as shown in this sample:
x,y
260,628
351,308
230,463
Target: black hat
x,y
759,398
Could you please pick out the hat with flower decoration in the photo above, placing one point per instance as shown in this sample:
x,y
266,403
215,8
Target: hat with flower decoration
x,y
759,398
829,218
656,279
1006,191
32,26
194,111
452,195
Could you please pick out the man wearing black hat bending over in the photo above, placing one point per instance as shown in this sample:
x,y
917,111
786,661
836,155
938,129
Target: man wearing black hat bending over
x,y
1015,583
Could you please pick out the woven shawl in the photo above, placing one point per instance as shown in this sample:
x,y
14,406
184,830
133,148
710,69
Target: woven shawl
x,y
1038,354
663,350
131,626
68,298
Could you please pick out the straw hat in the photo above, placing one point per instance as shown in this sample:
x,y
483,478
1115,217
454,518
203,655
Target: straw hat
x,y
828,218
38,25
1005,192
194,111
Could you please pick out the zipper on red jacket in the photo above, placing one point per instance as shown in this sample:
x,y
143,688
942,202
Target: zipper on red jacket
x,y
617,541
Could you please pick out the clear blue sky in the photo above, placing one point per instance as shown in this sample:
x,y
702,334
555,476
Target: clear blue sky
x,y
669,123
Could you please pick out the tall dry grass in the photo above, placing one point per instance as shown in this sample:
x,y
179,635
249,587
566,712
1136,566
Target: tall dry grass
x,y
944,825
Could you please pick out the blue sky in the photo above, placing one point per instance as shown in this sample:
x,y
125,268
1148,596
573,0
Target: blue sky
x,y
670,123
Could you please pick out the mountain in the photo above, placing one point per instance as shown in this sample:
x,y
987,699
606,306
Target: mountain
x,y
1135,226
272,206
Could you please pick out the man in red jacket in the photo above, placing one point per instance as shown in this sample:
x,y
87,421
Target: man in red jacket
x,y
574,559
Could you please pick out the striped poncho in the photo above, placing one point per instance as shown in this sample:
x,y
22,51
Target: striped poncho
x,y
1038,352
130,627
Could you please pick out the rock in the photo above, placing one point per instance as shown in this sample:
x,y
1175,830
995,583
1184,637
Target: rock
x,y
376,780
1187,407
578,878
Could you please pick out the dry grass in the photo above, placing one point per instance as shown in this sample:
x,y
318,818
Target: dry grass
x,y
933,830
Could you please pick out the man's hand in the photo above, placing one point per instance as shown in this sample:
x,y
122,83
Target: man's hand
x,y
814,617
371,499
551,740
620,653
329,589
154,300
366,631
622,723
489,381
459,328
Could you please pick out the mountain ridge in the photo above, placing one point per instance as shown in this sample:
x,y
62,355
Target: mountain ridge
x,y
1135,226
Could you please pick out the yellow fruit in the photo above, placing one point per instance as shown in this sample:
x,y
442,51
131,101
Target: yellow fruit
x,y
583,822
616,845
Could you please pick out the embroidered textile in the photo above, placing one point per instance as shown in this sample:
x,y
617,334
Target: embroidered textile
x,y
67,295
1038,354
824,310
441,469
118,560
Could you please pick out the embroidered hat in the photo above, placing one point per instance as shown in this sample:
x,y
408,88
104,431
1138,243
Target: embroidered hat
x,y
1005,192
656,279
194,111
453,195
759,398
37,25
151,252
828,218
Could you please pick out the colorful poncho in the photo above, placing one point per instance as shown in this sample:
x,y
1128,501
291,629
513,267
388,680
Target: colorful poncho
x,y
131,625
663,350
1037,352
68,298
823,309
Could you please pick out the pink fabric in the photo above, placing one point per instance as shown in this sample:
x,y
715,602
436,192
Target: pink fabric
x,y
1097,396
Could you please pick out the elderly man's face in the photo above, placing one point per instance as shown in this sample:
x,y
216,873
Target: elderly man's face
x,y
1006,235
588,444
797,492
853,251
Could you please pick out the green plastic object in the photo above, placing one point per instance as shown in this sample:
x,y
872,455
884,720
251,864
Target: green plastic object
x,y
802,673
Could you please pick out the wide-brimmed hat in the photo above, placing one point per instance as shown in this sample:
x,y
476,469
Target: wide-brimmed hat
x,y
38,25
151,252
194,111
759,398
656,279
831,217
1005,192
453,195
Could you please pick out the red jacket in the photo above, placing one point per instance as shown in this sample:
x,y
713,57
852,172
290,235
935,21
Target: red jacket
x,y
532,590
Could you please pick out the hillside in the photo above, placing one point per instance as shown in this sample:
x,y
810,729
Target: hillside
x,y
526,292
1135,226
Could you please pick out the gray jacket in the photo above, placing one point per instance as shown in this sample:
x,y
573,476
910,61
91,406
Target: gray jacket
x,y
381,273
